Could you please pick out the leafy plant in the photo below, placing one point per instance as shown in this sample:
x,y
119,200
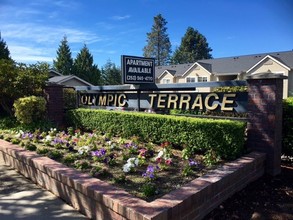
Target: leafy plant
x,y
30,109
30,146
287,143
149,189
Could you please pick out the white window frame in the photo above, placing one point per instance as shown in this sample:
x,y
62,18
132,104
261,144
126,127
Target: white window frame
x,y
203,79
166,81
194,78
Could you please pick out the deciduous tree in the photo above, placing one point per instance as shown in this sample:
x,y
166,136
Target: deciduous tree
x,y
20,80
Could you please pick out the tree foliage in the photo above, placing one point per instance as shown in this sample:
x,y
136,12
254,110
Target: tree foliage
x,y
85,68
64,61
111,74
158,43
193,47
20,80
4,51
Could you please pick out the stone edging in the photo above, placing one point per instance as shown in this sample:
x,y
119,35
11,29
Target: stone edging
x,y
100,200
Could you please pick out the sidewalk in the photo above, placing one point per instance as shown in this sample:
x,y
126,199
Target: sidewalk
x,y
22,199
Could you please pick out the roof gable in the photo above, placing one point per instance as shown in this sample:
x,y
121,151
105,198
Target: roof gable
x,y
63,79
269,57
53,73
171,72
197,64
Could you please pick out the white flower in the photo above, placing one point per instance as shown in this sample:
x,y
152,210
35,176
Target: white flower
x,y
131,163
48,138
136,161
160,154
19,134
84,150
126,168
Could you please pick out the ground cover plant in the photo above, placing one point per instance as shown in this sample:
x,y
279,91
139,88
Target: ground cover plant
x,y
144,169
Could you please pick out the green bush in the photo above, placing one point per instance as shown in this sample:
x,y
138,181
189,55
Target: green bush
x,y
225,137
70,97
287,147
30,109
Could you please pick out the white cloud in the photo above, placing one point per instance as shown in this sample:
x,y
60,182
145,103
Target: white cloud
x,y
30,54
120,18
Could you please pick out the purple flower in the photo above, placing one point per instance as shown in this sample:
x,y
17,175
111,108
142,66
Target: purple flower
x,y
150,172
99,153
192,162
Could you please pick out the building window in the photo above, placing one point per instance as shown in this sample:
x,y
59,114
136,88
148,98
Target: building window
x,y
190,79
166,81
202,79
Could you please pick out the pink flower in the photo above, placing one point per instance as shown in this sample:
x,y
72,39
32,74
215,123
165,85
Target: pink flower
x,y
159,160
168,161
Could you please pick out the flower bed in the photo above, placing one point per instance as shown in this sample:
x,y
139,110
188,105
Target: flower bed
x,y
99,200
145,170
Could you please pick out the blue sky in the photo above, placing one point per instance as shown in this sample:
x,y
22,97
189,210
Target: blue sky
x,y
33,29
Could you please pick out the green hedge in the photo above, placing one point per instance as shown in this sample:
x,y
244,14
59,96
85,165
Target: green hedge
x,y
287,148
225,137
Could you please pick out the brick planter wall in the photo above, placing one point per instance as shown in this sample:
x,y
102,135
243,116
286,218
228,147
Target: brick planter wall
x,y
99,200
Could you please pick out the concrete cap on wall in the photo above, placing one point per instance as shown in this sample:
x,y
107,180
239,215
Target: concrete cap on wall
x,y
267,75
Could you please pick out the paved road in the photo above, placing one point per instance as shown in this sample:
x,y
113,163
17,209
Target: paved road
x,y
22,199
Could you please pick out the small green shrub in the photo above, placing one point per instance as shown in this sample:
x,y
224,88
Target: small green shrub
x,y
30,109
42,150
287,145
70,96
149,189
31,147
55,154
70,158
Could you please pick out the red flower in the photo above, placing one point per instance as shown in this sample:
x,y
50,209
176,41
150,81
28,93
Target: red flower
x,y
168,161
159,160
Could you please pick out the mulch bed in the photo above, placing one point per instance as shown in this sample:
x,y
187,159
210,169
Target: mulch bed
x,y
267,198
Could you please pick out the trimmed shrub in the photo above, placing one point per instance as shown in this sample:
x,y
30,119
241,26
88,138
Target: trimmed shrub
x,y
287,142
70,96
30,109
225,137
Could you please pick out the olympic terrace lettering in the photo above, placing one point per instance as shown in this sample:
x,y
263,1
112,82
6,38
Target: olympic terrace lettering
x,y
185,101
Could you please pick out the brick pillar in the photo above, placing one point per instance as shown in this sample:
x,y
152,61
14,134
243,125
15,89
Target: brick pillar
x,y
55,103
265,94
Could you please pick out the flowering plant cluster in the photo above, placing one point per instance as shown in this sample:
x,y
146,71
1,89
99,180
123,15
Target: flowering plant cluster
x,y
150,172
111,158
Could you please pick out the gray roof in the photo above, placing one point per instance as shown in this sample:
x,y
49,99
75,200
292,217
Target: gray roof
x,y
64,79
176,70
230,65
57,79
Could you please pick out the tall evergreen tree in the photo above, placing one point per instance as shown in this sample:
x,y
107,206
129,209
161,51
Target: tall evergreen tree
x,y
111,74
158,42
85,68
64,61
4,51
193,47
